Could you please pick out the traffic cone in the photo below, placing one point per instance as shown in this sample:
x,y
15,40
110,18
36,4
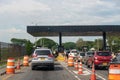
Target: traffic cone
x,y
80,68
18,64
76,65
65,60
93,76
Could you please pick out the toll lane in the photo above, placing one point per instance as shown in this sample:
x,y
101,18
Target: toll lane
x,y
60,73
101,74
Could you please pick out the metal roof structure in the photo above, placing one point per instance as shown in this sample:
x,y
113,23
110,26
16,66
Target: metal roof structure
x,y
73,30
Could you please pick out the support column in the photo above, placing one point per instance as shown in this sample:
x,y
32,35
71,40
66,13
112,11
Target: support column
x,y
60,39
60,47
104,40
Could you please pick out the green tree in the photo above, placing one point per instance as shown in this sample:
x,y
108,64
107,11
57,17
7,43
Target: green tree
x,y
80,43
45,42
98,44
90,44
69,45
23,42
114,42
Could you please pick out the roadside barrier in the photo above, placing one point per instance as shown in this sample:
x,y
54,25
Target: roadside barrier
x,y
10,66
18,64
70,61
80,71
93,76
114,71
26,61
76,65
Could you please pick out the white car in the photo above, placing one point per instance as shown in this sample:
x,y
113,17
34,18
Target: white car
x,y
42,57
73,53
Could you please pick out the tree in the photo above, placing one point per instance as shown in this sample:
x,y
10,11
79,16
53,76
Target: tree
x,y
23,42
98,44
69,45
80,43
45,42
114,42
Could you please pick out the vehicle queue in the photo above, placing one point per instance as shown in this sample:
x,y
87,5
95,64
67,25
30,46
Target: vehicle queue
x,y
101,60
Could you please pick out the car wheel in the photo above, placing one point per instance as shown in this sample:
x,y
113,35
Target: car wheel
x,y
52,67
33,68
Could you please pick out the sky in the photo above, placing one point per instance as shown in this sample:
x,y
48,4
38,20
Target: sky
x,y
15,15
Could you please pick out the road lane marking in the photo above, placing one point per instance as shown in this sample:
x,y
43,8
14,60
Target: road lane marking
x,y
84,72
95,73
85,69
71,72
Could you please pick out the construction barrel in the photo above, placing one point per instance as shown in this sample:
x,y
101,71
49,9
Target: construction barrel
x,y
26,61
114,71
70,61
10,66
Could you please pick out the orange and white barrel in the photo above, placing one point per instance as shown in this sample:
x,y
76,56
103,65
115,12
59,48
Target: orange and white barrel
x,y
70,61
114,71
10,66
80,70
26,61
76,65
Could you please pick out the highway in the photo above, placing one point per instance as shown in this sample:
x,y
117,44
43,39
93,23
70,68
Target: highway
x,y
61,72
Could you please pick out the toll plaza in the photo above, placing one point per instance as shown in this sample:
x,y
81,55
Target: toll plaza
x,y
74,30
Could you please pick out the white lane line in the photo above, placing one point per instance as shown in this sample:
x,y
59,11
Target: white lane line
x,y
71,72
95,73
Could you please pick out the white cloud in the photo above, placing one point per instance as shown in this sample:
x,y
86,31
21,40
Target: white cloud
x,y
20,13
18,6
7,34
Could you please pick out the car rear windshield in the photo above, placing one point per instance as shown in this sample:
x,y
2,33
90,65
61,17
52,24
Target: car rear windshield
x,y
104,53
74,51
90,53
42,52
82,54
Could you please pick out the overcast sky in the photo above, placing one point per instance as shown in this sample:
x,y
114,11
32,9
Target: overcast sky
x,y
15,15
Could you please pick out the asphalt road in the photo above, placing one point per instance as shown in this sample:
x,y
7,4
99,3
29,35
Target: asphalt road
x,y
61,72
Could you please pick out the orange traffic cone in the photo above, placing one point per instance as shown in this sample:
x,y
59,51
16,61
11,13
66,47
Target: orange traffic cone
x,y
18,64
80,68
65,59
76,65
93,76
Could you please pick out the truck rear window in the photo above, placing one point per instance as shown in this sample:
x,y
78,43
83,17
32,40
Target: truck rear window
x,y
104,53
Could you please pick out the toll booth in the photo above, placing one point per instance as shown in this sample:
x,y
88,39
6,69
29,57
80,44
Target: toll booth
x,y
61,49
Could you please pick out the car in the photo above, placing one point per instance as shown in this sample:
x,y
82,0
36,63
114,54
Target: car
x,y
81,56
87,55
42,57
100,59
73,53
116,59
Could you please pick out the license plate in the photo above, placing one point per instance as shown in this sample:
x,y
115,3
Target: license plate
x,y
104,64
42,58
